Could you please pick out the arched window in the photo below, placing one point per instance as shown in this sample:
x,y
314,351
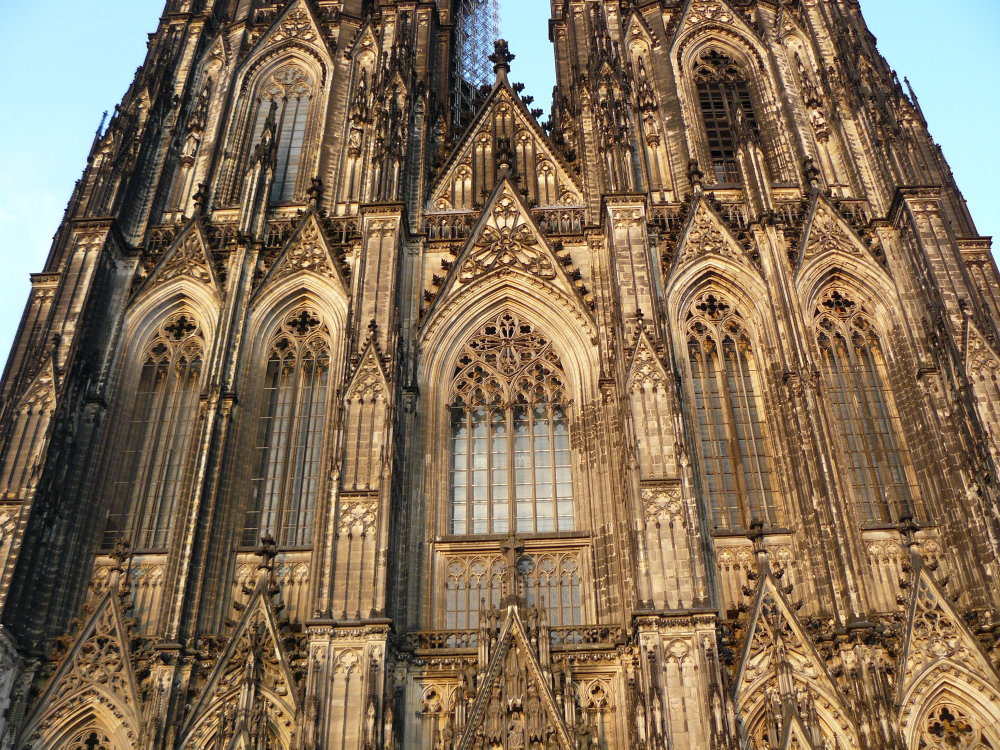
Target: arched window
x,y
510,453
860,396
285,98
153,456
726,110
288,442
735,461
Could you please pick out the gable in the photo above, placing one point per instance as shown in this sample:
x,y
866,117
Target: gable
x,y
504,124
307,250
937,639
828,232
506,241
296,24
514,700
187,257
706,234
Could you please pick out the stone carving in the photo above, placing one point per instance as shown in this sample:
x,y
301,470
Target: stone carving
x,y
507,241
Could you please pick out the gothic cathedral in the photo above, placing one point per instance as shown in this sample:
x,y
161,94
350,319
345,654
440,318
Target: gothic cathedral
x,y
356,408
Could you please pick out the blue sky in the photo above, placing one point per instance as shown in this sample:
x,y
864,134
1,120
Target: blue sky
x,y
56,83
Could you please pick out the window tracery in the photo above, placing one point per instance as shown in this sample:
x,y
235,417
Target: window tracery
x,y
153,457
735,457
510,452
90,739
551,580
284,98
859,393
290,423
947,727
727,112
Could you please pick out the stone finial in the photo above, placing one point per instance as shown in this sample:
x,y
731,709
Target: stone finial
x,y
501,57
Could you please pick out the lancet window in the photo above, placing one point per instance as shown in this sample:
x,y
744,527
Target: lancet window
x,y
734,453
288,433
859,394
285,99
510,451
727,112
153,457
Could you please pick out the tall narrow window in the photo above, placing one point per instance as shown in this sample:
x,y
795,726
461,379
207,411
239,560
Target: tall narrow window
x,y
288,444
859,394
285,97
510,454
735,462
158,437
726,109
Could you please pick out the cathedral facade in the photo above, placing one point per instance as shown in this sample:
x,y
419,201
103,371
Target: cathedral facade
x,y
355,407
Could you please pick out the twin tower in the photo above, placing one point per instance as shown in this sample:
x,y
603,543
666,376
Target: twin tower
x,y
357,408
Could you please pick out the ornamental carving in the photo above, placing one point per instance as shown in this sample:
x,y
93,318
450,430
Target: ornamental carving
x,y
663,506
507,241
295,25
307,253
826,235
357,517
189,258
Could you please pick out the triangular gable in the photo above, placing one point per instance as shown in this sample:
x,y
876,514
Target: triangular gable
x,y
936,637
503,104
188,256
827,231
645,369
295,23
307,250
253,660
98,664
513,666
773,627
505,239
704,234
40,393
369,380
364,39
715,13
637,28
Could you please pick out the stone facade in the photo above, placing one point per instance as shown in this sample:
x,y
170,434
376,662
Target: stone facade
x,y
344,415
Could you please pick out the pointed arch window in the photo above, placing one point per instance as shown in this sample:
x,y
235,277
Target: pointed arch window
x,y
153,457
726,110
860,396
510,434
284,99
288,434
734,454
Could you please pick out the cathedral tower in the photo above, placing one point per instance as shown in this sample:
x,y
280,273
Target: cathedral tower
x,y
357,408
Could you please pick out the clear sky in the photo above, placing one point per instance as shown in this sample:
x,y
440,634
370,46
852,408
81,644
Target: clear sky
x,y
63,62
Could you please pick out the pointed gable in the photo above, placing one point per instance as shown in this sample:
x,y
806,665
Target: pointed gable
x,y
715,13
253,666
369,381
187,257
706,234
307,251
646,369
504,123
826,232
506,240
937,639
295,23
514,698
97,669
